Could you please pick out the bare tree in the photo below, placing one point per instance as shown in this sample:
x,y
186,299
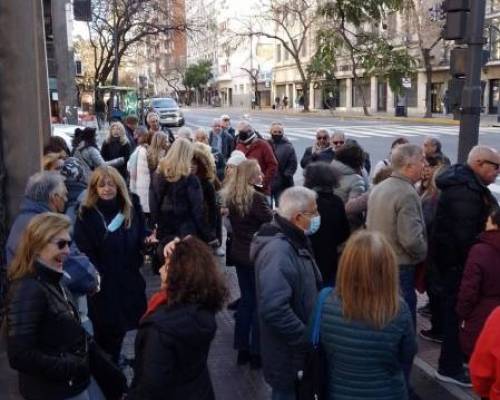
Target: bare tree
x,y
124,24
423,17
290,23
254,77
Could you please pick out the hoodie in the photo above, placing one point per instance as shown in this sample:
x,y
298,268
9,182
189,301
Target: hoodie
x,y
171,350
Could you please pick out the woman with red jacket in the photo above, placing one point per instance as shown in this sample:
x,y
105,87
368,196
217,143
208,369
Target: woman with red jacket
x,y
485,360
480,288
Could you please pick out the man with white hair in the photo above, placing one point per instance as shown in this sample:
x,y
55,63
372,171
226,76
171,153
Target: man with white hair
x,y
186,133
254,147
321,150
462,210
221,141
395,209
287,283
338,139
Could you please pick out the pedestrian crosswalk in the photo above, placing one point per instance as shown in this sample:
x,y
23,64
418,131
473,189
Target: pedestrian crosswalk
x,y
385,131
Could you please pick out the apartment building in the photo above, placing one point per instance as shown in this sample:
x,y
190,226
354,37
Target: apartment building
x,y
287,81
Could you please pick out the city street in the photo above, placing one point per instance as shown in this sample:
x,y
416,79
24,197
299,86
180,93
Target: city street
x,y
375,136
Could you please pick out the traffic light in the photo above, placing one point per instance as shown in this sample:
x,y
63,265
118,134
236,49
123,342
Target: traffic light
x,y
457,12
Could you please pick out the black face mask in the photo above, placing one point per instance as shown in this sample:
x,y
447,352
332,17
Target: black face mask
x,y
243,135
277,138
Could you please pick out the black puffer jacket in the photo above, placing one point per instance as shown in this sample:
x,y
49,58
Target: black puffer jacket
x,y
177,208
114,150
287,164
171,350
46,343
461,213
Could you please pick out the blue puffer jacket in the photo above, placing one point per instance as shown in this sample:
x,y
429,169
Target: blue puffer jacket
x,y
80,274
363,362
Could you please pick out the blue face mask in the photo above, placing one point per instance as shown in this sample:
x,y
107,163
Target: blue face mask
x,y
116,222
314,225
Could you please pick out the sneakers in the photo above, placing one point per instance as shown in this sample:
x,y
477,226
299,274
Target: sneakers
x,y
219,252
425,311
428,334
460,379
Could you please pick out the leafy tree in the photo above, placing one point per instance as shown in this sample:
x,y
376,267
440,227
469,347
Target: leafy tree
x,y
197,75
350,34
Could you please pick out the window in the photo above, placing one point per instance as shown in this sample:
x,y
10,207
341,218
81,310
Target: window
x,y
304,48
278,53
78,65
286,54
242,88
494,6
412,93
494,37
235,88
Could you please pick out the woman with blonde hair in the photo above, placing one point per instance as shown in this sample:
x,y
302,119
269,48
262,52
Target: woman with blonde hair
x,y
157,150
176,197
248,210
46,343
366,328
111,231
53,161
116,147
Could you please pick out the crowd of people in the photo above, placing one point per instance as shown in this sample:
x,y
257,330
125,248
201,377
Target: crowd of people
x,y
342,256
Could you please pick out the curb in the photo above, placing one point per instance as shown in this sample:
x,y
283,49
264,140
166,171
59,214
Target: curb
x,y
454,390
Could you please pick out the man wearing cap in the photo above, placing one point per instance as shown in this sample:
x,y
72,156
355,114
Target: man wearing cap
x,y
226,122
258,149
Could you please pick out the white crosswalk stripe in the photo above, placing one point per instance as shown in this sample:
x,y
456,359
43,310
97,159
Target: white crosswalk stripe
x,y
364,131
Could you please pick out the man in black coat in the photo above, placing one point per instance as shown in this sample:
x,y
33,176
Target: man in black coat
x,y
462,210
287,161
130,125
321,150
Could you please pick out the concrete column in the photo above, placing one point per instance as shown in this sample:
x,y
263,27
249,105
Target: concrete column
x,y
348,94
311,95
24,99
421,83
373,94
62,20
390,100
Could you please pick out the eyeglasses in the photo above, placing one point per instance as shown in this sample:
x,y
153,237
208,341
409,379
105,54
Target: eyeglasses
x,y
496,165
225,120
338,143
322,137
62,243
277,132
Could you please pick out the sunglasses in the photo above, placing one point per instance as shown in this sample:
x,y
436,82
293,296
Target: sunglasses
x,y
61,244
277,132
338,143
322,137
496,165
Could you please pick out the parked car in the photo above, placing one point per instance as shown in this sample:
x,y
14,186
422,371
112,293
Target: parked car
x,y
168,110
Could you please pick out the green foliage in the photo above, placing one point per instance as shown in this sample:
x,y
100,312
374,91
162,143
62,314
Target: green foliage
x,y
198,74
381,59
343,38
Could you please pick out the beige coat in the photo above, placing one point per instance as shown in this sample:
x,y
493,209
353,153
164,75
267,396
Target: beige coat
x,y
395,209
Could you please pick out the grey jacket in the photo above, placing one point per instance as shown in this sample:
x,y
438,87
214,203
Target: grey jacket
x,y
395,209
287,282
351,183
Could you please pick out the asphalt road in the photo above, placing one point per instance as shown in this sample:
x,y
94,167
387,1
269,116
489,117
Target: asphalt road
x,y
375,136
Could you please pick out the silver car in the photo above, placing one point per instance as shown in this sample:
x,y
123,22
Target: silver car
x,y
168,110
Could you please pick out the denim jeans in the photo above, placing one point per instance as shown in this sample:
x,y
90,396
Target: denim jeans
x,y
282,394
246,330
407,286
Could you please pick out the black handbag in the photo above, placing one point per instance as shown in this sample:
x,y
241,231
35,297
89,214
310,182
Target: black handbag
x,y
107,374
311,381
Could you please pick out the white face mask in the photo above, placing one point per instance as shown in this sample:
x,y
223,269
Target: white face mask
x,y
313,225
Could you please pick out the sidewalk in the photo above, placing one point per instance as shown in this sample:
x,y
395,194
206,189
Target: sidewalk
x,y
233,382
437,119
